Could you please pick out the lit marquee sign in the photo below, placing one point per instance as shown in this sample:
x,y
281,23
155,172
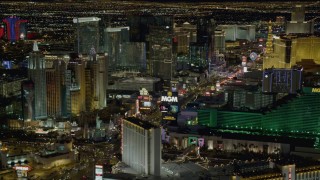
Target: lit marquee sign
x,y
169,98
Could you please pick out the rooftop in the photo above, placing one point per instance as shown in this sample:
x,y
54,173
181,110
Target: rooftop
x,y
139,122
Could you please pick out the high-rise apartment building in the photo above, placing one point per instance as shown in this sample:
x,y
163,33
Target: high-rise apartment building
x,y
37,73
87,34
141,146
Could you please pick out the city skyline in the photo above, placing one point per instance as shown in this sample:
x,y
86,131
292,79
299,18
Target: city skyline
x,y
156,90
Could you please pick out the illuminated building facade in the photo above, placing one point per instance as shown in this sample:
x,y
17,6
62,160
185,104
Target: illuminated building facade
x,y
157,33
58,84
198,55
184,35
76,102
2,31
88,34
101,81
86,83
114,38
96,79
302,110
135,83
66,96
133,57
37,73
54,88
298,23
76,67
288,51
282,81
219,41
304,48
169,107
15,28
140,25
161,57
269,43
141,146
27,94
253,100
280,20
205,35
12,87
235,32
281,172
89,76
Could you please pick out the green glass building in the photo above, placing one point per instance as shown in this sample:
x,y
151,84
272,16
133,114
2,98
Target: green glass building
x,y
293,115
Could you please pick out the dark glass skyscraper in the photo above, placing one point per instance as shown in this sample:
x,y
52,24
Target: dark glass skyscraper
x,y
140,25
205,34
88,34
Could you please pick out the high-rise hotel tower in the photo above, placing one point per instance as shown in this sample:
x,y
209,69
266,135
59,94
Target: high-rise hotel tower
x,y
37,73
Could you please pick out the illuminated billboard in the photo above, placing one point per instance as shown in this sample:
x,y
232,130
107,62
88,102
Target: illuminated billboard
x,y
169,106
170,97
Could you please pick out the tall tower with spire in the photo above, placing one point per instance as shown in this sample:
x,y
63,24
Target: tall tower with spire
x,y
37,73
269,43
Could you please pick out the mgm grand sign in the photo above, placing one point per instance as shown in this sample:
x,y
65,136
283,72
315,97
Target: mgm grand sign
x,y
169,97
